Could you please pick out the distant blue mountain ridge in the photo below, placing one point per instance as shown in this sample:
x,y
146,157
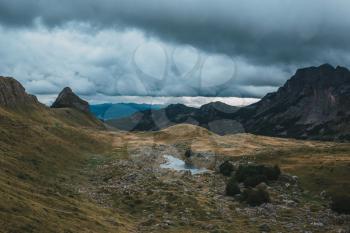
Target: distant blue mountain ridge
x,y
110,111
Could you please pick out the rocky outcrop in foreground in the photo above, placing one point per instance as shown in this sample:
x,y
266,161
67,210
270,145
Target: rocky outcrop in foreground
x,y
13,94
68,99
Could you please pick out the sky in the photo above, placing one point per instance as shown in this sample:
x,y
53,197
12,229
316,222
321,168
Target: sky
x,y
183,51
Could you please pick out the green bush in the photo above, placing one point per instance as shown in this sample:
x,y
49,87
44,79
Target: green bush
x,y
341,203
232,187
272,173
226,168
255,197
252,175
188,153
252,181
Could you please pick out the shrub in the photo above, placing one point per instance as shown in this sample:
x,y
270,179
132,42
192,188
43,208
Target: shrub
x,y
255,197
252,175
232,187
341,203
188,153
226,168
245,171
252,181
272,173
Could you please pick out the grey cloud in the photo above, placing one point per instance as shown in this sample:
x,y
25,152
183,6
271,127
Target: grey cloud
x,y
266,32
212,48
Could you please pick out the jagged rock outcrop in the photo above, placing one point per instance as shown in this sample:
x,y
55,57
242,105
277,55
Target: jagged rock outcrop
x,y
13,94
313,104
68,99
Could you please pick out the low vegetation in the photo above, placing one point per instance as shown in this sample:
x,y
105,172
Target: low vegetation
x,y
255,196
341,203
252,175
226,168
232,187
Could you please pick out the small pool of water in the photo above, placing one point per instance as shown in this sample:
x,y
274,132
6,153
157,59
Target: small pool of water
x,y
180,165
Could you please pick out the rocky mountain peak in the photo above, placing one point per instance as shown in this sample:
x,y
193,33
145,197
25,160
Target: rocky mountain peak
x,y
68,99
315,102
13,94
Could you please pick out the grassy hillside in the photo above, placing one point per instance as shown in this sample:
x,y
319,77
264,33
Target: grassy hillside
x,y
41,153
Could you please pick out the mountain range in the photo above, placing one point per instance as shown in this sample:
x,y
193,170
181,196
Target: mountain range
x,y
313,104
109,111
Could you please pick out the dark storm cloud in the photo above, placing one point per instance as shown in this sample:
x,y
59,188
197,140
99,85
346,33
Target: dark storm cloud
x,y
266,40
272,31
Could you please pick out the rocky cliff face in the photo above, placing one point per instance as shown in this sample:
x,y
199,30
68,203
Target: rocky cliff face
x,y
12,93
67,99
314,103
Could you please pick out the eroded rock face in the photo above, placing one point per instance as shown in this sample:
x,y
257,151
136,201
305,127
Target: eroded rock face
x,y
13,94
68,99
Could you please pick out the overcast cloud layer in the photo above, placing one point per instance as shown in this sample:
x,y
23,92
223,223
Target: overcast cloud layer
x,y
169,48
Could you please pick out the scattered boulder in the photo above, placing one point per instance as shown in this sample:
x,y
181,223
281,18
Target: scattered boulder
x,y
226,168
68,99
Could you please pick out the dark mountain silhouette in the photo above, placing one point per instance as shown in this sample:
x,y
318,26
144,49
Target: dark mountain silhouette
x,y
313,104
68,99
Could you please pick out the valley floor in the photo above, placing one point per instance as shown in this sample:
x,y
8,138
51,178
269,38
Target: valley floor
x,y
130,180
63,178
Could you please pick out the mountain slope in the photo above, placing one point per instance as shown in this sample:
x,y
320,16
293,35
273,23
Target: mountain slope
x,y
42,152
206,116
314,103
115,111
